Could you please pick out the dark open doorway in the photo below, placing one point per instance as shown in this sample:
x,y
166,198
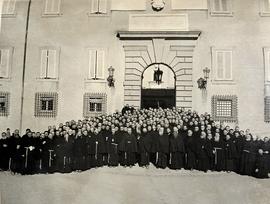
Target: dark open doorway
x,y
159,96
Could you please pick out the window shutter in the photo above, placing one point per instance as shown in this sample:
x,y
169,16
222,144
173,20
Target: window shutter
x,y
103,6
52,64
8,6
92,64
4,63
43,64
217,6
52,6
94,6
266,5
228,65
100,64
267,65
219,65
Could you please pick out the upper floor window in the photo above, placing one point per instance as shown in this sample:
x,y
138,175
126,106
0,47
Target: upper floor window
x,y
99,7
8,7
5,62
52,7
264,7
96,64
221,7
49,63
4,104
222,64
267,64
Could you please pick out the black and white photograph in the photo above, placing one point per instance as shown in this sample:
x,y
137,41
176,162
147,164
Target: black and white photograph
x,y
134,101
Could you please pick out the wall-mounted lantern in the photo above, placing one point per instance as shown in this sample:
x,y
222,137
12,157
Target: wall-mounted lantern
x,y
110,78
158,75
202,82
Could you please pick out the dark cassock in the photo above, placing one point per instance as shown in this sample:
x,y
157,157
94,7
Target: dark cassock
x,y
238,141
203,151
28,145
230,155
248,158
190,156
153,144
128,149
97,149
59,153
112,148
66,153
177,151
263,161
163,150
16,154
106,134
219,154
144,147
47,155
79,152
5,153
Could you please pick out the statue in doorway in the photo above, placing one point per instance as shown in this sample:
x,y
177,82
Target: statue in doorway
x,y
158,76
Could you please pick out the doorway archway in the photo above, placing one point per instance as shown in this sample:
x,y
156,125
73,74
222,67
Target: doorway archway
x,y
154,94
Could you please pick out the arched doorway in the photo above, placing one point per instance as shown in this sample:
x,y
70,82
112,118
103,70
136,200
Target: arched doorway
x,y
157,94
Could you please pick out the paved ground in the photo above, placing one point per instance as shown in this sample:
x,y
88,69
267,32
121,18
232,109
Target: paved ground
x,y
132,186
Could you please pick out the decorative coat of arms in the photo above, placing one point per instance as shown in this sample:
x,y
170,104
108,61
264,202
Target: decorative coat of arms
x,y
157,5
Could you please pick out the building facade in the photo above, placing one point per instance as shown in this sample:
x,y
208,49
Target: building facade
x,y
55,56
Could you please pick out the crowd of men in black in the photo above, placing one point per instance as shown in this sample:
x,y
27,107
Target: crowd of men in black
x,y
164,137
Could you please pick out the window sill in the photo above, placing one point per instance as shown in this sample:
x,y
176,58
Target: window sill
x,y
5,79
98,15
47,80
264,14
102,81
11,15
223,82
51,15
221,14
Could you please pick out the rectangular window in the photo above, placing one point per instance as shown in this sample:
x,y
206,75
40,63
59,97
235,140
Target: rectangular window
x,y
5,62
224,108
49,64
46,104
99,6
221,7
4,104
52,7
222,64
8,7
96,64
267,64
264,7
94,104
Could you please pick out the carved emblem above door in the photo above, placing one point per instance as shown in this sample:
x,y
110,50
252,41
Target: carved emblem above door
x,y
157,5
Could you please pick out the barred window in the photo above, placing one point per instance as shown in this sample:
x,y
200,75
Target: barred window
x,y
224,108
94,104
46,104
4,104
267,109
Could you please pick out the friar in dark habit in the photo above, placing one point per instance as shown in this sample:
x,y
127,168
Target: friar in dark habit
x,y
248,157
79,152
98,148
106,134
190,155
163,148
128,148
262,165
219,154
144,148
16,152
230,154
66,153
5,151
48,153
203,151
177,150
112,147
